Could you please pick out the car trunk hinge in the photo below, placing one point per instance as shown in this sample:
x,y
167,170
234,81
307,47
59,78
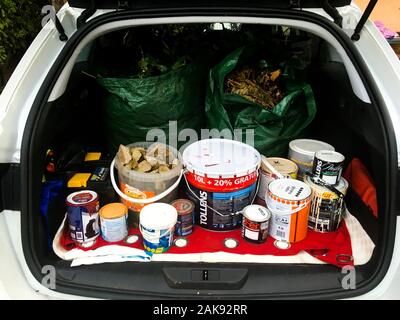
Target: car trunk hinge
x,y
333,12
53,17
363,20
86,14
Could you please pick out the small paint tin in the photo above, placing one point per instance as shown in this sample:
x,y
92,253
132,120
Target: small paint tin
x,y
284,166
113,222
288,200
327,207
83,216
185,209
328,166
302,151
255,223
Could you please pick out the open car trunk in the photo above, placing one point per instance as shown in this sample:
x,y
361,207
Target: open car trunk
x,y
76,121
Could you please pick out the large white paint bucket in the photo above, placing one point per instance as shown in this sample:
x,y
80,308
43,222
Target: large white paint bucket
x,y
221,178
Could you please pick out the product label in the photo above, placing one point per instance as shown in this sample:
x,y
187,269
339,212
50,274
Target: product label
x,y
136,194
280,227
83,225
153,242
225,203
114,230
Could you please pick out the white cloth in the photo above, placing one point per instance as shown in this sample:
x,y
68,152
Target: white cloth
x,y
362,247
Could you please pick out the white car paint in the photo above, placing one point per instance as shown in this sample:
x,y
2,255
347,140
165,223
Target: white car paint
x,y
16,281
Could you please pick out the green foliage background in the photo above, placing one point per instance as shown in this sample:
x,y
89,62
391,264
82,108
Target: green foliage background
x,y
20,20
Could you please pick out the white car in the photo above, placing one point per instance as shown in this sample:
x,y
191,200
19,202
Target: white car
x,y
356,81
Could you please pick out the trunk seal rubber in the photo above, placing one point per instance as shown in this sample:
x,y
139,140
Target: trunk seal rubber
x,y
39,107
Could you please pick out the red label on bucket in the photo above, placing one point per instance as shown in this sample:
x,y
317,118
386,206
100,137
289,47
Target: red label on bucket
x,y
222,184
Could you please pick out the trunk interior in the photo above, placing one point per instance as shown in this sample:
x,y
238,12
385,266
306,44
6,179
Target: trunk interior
x,y
76,121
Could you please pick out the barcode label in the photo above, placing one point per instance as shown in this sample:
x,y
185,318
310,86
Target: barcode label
x,y
281,234
79,235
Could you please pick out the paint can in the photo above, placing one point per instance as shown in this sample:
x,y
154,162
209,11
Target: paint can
x,y
185,209
284,166
221,179
113,222
327,207
83,216
328,166
302,151
157,223
289,202
255,223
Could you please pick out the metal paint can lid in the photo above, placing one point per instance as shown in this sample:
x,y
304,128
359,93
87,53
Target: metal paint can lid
x,y
183,206
81,198
256,213
282,165
309,146
113,210
342,186
289,189
329,156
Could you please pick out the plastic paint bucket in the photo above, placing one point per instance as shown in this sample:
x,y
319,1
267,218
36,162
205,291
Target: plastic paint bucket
x,y
144,186
302,151
327,207
157,224
255,223
185,209
328,166
284,166
113,222
288,200
221,180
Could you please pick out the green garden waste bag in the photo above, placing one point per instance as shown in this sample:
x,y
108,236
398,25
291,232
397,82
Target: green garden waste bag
x,y
134,106
273,128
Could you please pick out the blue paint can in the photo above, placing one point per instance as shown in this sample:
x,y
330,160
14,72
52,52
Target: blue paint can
x,y
83,216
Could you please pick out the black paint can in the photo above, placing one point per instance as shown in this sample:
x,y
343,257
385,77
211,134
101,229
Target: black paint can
x,y
328,166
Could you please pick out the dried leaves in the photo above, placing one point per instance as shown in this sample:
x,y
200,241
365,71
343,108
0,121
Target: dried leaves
x,y
157,158
259,86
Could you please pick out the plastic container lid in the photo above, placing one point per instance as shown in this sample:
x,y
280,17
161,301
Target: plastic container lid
x,y
284,166
329,156
342,185
183,206
256,213
221,157
113,210
158,216
309,146
290,189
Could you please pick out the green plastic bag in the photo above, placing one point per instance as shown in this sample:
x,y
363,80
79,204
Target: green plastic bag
x,y
273,129
134,106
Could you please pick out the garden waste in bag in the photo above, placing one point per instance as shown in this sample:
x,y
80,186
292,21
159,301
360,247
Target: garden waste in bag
x,y
274,125
134,106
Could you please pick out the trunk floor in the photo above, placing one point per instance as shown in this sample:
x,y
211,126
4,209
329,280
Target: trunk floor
x,y
207,246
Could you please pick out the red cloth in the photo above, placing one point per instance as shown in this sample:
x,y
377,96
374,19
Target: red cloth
x,y
361,182
333,248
